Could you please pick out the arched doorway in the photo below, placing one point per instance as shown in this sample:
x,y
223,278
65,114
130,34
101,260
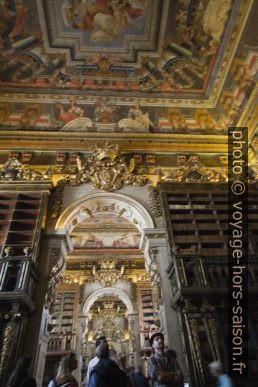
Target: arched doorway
x,y
106,288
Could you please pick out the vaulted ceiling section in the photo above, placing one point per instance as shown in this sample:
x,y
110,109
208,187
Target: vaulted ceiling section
x,y
160,77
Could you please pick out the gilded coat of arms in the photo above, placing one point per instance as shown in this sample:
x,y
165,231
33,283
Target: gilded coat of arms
x,y
106,169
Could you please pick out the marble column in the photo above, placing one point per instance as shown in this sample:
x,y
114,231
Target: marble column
x,y
155,245
53,251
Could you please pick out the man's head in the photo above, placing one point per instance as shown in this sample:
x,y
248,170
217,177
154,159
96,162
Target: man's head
x,y
101,340
157,341
215,368
102,351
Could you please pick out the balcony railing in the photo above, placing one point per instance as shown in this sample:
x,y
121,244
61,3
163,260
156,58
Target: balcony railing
x,y
205,271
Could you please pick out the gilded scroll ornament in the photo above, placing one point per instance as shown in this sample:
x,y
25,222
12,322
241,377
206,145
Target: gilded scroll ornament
x,y
107,275
193,171
106,170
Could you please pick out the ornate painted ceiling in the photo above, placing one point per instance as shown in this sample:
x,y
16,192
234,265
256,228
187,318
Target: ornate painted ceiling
x,y
160,75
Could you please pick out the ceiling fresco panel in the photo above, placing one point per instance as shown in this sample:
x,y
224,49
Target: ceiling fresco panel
x,y
160,67
86,27
135,46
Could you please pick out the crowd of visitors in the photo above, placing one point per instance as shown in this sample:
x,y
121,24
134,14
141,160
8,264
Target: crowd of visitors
x,y
106,369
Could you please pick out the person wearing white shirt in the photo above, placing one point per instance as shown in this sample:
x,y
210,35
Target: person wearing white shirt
x,y
223,380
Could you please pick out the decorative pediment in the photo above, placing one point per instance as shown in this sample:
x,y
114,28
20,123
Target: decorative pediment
x,y
193,171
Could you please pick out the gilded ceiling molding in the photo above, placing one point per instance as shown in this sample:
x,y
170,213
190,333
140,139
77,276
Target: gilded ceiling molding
x,y
106,170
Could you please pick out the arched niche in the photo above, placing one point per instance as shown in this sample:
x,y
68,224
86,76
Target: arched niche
x,y
107,292
121,205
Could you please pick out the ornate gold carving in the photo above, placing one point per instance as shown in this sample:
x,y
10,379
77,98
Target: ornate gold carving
x,y
7,338
193,171
106,170
143,277
155,278
155,204
56,198
110,330
11,322
108,311
214,337
107,275
55,275
196,341
14,170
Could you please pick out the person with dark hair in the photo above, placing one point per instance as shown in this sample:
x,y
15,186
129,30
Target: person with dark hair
x,y
163,370
20,377
64,377
94,361
106,372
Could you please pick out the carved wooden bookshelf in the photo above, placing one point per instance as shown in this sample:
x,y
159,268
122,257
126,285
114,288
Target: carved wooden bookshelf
x,y
197,218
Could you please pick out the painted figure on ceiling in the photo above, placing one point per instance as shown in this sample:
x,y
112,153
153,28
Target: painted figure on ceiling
x,y
104,19
135,113
204,119
104,112
29,118
21,15
176,118
72,113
